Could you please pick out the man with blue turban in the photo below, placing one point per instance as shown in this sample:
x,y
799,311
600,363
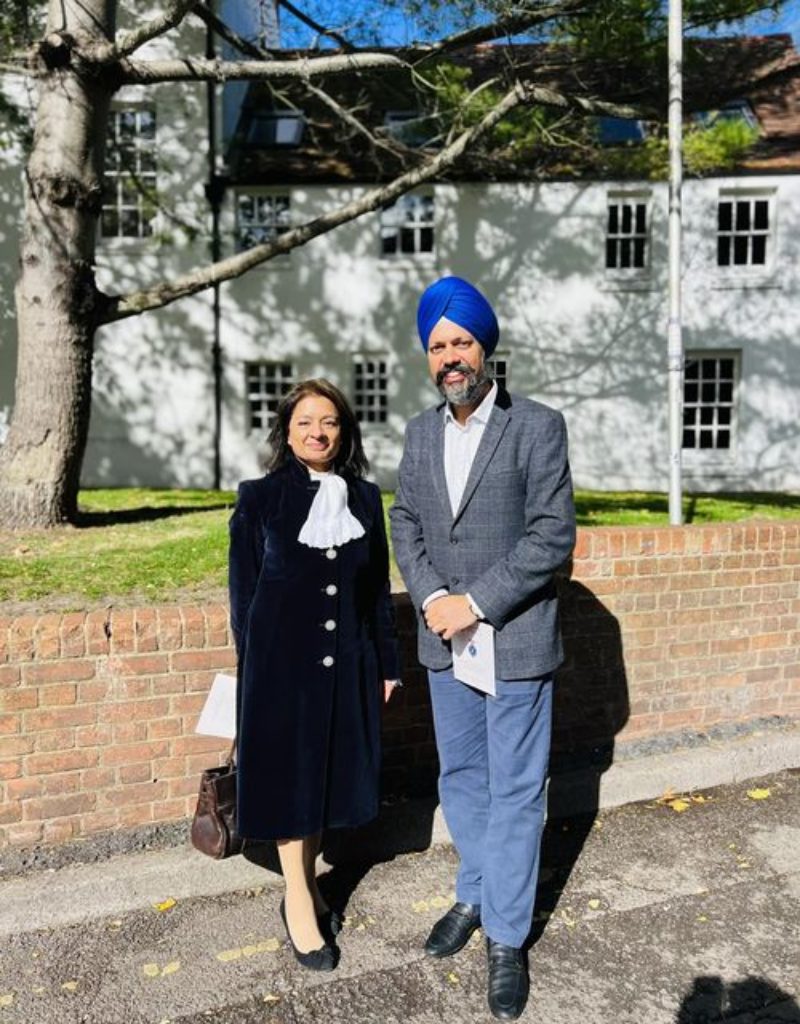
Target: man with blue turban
x,y
482,519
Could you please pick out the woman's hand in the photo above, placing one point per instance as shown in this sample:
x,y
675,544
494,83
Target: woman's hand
x,y
389,686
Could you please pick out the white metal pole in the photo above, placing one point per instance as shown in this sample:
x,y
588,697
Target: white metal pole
x,y
674,329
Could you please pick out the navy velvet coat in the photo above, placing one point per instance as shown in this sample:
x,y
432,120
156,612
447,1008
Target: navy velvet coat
x,y
315,638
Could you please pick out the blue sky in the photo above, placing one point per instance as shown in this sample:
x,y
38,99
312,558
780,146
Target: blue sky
x,y
394,29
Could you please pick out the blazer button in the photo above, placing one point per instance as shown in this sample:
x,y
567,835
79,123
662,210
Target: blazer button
x,y
330,625
327,661
331,589
330,553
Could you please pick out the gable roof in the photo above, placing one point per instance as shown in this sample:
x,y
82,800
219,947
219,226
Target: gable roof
x,y
764,70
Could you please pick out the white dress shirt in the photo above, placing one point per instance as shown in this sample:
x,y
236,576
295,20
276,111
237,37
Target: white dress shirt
x,y
460,448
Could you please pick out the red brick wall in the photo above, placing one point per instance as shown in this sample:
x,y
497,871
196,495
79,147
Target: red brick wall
x,y
666,630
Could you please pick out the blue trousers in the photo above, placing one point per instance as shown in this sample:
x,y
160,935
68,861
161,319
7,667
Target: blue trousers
x,y
493,755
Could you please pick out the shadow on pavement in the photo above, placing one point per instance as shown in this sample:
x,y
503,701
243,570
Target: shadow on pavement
x,y
590,707
402,826
751,1001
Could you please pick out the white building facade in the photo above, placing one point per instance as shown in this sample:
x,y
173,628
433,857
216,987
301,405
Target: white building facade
x,y
576,270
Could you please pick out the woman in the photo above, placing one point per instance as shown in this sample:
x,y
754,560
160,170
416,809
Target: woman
x,y
314,629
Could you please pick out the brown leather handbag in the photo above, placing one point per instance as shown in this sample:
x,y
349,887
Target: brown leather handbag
x,y
214,823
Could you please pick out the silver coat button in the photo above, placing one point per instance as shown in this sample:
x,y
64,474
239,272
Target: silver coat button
x,y
331,553
327,661
330,624
331,589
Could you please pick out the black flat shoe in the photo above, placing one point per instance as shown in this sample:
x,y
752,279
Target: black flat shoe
x,y
330,924
323,959
508,980
452,932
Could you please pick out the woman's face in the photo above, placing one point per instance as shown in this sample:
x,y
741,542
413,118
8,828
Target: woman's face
x,y
315,432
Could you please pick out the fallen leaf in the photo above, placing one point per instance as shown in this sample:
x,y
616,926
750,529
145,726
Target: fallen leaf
x,y
702,918
168,904
229,954
698,798
439,902
70,986
679,805
151,970
6,998
270,997
269,945
420,906
758,794
452,977
171,968
594,904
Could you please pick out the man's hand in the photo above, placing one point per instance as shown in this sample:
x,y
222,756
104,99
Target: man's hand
x,y
449,615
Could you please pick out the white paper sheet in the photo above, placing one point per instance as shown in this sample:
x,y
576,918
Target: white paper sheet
x,y
473,657
218,717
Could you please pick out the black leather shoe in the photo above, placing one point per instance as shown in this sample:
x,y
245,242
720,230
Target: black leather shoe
x,y
508,980
323,959
452,932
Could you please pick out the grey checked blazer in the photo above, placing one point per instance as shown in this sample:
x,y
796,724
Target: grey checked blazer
x,y
515,527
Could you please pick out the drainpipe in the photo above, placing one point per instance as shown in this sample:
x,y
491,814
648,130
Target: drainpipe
x,y
215,192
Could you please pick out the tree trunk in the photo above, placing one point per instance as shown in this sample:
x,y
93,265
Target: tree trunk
x,y
56,297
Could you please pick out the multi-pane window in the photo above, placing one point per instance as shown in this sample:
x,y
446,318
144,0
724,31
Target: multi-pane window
x,y
407,226
498,369
129,183
743,226
626,233
709,396
371,388
267,383
261,218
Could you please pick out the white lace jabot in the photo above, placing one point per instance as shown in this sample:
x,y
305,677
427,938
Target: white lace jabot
x,y
330,522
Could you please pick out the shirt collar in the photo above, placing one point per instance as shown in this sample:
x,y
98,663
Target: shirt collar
x,y
482,413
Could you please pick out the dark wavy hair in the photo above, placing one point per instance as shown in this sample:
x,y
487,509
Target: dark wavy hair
x,y
349,459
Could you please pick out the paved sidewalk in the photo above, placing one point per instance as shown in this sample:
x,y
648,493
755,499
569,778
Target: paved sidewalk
x,y
648,915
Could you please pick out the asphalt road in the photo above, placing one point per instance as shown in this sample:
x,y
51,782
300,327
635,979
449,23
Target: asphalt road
x,y
648,914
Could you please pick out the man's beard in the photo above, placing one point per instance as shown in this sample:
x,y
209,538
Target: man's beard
x,y
467,391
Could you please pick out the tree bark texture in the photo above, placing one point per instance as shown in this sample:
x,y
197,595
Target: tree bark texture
x,y
40,461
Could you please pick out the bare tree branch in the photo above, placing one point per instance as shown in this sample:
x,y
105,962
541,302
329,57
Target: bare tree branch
x,y
124,45
191,69
523,19
162,294
315,26
349,118
122,306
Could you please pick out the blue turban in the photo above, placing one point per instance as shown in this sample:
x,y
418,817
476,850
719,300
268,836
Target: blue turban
x,y
461,303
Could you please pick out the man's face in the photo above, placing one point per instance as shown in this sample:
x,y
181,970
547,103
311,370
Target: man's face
x,y
456,363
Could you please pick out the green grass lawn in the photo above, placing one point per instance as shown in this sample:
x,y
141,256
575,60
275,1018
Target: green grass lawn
x,y
157,545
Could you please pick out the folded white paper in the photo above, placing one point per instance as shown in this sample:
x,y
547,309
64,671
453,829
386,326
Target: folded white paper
x,y
218,717
473,657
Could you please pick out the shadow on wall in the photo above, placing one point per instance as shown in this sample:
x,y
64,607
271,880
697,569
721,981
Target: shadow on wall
x,y
590,707
751,1001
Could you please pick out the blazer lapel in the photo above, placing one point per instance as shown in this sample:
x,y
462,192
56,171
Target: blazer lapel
x,y
437,463
495,428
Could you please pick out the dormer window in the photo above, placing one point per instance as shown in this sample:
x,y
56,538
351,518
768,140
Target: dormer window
x,y
736,110
276,128
616,131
